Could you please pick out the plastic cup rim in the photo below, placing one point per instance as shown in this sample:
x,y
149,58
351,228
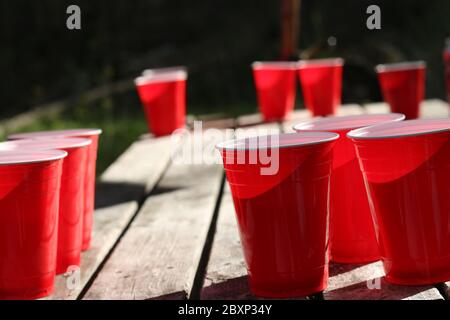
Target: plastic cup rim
x,y
298,127
56,133
53,155
232,144
356,133
27,144
160,76
285,65
401,66
317,63
163,70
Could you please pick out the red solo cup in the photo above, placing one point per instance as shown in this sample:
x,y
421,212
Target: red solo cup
x,y
321,82
275,88
90,172
71,205
29,187
352,233
403,86
282,214
447,68
406,171
163,94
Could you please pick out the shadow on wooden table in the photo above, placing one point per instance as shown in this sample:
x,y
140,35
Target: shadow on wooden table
x,y
108,194
111,193
381,290
238,289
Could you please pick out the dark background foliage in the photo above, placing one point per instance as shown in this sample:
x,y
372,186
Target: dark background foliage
x,y
40,60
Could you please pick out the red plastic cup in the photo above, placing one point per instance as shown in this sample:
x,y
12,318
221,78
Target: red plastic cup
x,y
90,172
406,171
281,202
275,88
403,86
352,233
447,67
321,82
71,205
29,188
163,94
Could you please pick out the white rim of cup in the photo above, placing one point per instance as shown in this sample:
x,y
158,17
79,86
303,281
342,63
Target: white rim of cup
x,y
239,144
400,66
50,143
47,155
288,65
56,133
358,134
317,63
161,76
148,72
309,124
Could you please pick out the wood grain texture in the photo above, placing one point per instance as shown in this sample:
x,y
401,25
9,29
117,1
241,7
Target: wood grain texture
x,y
141,164
257,130
434,108
226,276
305,115
120,188
159,255
219,123
376,107
350,110
249,120
367,282
296,117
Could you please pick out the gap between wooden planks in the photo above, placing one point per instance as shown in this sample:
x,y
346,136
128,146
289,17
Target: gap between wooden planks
x,y
159,255
119,191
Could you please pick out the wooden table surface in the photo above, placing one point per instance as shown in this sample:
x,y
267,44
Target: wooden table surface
x,y
166,230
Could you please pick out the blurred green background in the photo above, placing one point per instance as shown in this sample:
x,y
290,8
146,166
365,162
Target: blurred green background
x,y
41,61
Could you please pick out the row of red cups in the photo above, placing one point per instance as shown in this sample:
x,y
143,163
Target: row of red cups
x,y
402,86
47,193
356,188
163,91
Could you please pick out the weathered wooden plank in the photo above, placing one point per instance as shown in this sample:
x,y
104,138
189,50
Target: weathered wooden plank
x,y
367,282
434,108
376,107
159,255
296,117
258,130
219,123
249,119
350,110
226,276
120,188
305,115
